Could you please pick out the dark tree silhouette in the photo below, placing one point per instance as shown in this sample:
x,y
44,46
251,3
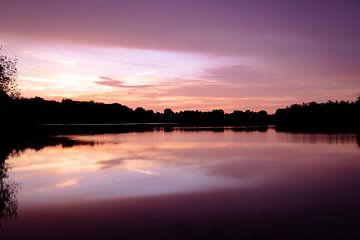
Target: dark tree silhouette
x,y
333,116
169,115
8,76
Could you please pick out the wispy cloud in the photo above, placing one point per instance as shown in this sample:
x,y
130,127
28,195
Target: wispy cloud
x,y
51,57
111,82
67,183
144,73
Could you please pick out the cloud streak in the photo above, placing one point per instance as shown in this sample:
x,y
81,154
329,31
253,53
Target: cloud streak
x,y
111,82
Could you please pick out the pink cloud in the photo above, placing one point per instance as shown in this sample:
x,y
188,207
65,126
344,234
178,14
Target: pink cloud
x,y
110,82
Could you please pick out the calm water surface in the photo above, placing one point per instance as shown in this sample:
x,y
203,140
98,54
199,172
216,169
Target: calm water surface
x,y
187,185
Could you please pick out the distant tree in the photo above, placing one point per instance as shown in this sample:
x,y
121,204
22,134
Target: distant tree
x,y
8,76
169,115
140,110
168,112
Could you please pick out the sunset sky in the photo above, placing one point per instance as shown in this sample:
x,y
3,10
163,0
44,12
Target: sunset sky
x,y
185,54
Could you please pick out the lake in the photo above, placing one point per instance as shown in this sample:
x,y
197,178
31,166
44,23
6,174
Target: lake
x,y
184,183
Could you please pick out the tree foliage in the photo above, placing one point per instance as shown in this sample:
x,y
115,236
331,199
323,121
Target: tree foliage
x,y
8,76
335,116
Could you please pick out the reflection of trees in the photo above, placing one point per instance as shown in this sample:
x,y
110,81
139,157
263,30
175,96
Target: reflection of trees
x,y
8,192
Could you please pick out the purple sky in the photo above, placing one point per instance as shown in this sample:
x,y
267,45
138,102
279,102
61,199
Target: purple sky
x,y
230,54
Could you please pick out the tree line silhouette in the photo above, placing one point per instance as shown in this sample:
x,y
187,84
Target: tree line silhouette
x,y
39,111
330,116
343,115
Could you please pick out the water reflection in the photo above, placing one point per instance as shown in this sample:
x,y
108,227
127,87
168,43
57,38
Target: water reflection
x,y
197,184
8,195
112,166
13,149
